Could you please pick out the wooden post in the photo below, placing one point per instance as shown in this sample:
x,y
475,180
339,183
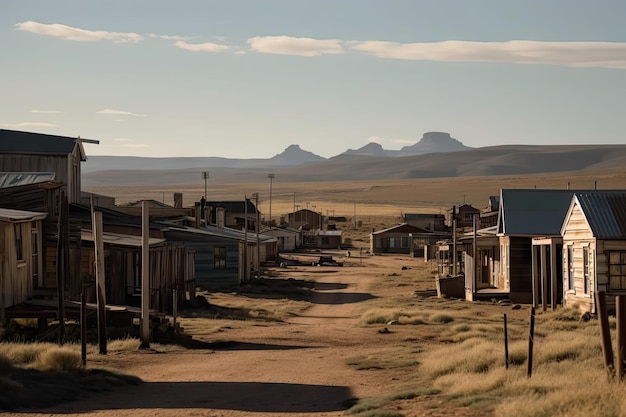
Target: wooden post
x,y
544,278
531,341
553,275
605,332
174,310
62,233
83,328
506,344
100,281
145,273
620,310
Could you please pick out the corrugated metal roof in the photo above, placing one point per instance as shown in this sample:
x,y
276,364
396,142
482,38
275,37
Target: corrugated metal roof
x,y
329,232
16,216
225,232
605,212
13,141
120,239
533,212
15,179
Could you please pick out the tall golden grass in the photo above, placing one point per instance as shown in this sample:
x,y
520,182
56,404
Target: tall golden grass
x,y
463,359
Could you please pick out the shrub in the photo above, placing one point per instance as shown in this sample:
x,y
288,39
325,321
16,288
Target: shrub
x,y
59,359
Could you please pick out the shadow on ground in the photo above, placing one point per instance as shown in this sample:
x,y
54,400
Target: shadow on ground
x,y
253,397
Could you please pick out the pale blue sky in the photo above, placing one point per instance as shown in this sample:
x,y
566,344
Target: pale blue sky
x,y
246,79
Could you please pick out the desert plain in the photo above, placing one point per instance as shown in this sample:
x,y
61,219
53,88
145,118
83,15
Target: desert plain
x,y
370,338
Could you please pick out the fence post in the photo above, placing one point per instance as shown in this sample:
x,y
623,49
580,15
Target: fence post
x,y
605,332
531,340
506,344
620,312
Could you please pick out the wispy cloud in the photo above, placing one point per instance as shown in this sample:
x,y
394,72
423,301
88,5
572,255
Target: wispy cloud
x,y
382,141
286,45
202,47
77,34
29,124
169,37
45,111
119,112
571,54
129,143
136,145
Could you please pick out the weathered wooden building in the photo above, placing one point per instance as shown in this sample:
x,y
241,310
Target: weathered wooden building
x,y
36,152
321,239
305,219
235,214
401,238
594,254
224,257
171,268
426,221
20,256
288,239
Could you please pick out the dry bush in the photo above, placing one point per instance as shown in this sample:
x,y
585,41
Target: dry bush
x,y
58,359
128,344
24,353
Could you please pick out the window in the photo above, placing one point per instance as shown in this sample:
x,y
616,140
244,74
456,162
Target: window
x,y
617,270
35,255
404,242
586,269
19,251
570,267
219,257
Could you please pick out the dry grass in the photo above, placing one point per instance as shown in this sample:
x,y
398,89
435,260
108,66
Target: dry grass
x,y
461,357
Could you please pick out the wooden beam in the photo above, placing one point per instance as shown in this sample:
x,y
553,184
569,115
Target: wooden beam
x,y
145,273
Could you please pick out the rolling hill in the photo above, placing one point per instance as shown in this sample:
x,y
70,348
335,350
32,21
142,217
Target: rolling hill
x,y
488,161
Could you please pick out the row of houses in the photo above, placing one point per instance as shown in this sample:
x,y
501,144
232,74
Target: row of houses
x,y
47,240
548,248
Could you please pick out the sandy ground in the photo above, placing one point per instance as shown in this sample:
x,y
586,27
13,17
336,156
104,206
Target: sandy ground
x,y
297,368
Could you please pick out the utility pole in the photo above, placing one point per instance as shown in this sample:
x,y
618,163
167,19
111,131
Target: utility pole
x,y
271,177
205,176
258,245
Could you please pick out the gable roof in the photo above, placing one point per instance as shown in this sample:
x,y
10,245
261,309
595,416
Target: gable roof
x,y
18,142
605,212
531,212
402,228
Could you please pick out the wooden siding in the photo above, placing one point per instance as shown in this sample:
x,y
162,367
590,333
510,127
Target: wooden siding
x,y
171,268
16,275
520,269
576,235
206,275
66,168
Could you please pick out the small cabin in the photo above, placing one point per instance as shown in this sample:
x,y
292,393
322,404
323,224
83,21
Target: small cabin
x,y
36,152
594,248
20,256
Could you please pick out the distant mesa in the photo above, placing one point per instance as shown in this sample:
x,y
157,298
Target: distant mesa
x,y
294,155
434,142
431,142
371,149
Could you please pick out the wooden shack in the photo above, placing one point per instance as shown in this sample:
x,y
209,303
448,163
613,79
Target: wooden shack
x,y
20,256
594,254
171,268
36,152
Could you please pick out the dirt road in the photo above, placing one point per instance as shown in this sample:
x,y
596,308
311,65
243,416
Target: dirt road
x,y
296,368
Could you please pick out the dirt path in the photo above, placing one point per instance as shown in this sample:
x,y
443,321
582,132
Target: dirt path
x,y
297,368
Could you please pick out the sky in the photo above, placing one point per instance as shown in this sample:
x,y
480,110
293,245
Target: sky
x,y
246,79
